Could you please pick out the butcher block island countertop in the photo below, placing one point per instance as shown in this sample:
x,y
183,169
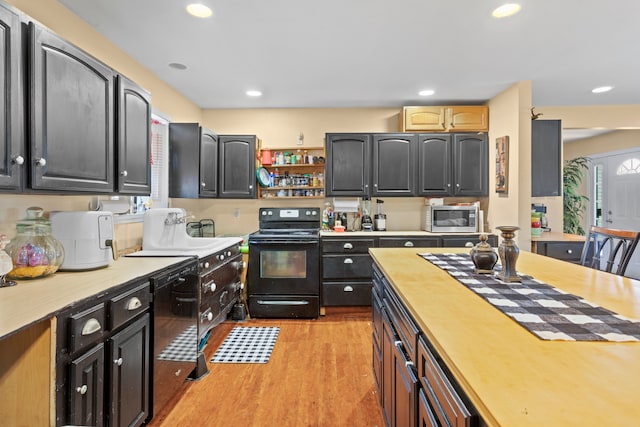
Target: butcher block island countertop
x,y
33,300
512,377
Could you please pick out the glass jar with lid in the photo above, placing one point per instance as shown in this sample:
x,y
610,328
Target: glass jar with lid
x,y
34,251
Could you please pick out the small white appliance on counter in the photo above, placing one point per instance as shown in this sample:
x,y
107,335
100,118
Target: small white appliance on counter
x,y
87,238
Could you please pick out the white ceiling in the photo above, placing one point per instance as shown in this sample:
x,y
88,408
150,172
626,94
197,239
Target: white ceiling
x,y
379,53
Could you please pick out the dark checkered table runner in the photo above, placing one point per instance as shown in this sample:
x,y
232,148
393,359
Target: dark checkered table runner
x,y
543,310
247,345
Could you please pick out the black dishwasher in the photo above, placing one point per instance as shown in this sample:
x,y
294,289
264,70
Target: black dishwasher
x,y
175,336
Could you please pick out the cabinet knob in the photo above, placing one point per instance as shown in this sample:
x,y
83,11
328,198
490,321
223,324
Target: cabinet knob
x,y
124,173
468,245
458,185
348,288
202,184
347,246
375,185
348,261
569,251
209,316
18,160
408,244
83,389
118,361
251,187
41,161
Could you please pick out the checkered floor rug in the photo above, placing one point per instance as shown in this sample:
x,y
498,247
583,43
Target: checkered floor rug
x,y
247,345
183,348
543,310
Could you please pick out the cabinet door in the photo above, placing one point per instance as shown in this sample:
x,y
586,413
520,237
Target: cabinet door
x,y
405,389
468,118
129,374
546,158
434,165
134,138
471,163
12,143
86,388
208,163
394,164
348,164
71,117
424,119
237,173
388,368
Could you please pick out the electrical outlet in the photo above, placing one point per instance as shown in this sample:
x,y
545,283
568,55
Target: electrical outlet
x,y
236,213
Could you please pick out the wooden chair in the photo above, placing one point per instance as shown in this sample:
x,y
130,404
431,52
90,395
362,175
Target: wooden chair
x,y
608,249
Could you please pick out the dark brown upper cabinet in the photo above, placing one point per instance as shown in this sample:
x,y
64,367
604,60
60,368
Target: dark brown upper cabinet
x,y
71,126
133,119
13,151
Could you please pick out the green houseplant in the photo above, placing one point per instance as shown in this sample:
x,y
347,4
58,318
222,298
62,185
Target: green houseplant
x,y
574,203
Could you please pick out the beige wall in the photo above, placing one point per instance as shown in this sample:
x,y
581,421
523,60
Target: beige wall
x,y
281,127
165,100
509,116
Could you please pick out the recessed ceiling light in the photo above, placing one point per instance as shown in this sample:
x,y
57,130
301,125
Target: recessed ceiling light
x,y
254,93
602,89
177,66
199,10
426,92
506,10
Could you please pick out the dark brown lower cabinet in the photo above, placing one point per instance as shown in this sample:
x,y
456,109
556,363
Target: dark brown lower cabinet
x,y
86,388
415,386
129,374
103,375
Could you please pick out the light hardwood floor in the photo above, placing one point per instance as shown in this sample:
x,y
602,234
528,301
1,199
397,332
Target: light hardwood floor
x,y
319,374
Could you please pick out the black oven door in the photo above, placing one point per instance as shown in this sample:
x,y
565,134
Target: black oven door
x,y
284,267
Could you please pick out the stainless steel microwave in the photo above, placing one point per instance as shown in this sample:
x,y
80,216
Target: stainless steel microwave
x,y
450,219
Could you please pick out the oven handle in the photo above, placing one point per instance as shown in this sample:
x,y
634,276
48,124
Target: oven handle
x,y
281,241
276,302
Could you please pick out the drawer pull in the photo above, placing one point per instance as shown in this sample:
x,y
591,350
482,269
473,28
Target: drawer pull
x,y
348,288
82,390
408,244
347,246
468,245
348,261
134,303
91,326
118,361
569,251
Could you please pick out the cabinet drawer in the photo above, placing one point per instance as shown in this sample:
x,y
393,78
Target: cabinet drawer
x,y
467,241
128,305
86,327
409,242
346,266
402,322
346,294
347,246
445,400
569,251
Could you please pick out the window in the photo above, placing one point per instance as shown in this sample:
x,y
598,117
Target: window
x,y
629,166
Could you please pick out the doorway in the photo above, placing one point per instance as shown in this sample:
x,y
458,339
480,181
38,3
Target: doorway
x,y
615,184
